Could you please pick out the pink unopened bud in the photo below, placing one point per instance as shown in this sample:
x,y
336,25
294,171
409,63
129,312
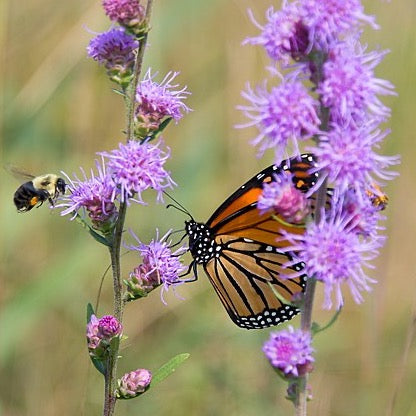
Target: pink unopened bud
x,y
109,327
284,199
134,383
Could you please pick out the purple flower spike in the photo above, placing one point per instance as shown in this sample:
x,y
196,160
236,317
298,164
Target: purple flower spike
x,y
286,114
290,351
113,48
133,383
159,262
335,253
155,101
284,199
135,167
95,195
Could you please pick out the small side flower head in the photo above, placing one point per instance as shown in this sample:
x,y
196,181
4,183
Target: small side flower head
x,y
290,352
158,101
115,50
134,383
100,332
92,333
135,167
127,13
94,195
282,197
160,266
285,115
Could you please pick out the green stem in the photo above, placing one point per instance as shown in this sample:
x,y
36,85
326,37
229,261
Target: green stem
x,y
321,195
111,373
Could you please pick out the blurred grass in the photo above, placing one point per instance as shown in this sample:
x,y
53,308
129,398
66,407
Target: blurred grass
x,y
58,110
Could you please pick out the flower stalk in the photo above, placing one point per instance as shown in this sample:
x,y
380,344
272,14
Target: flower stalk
x,y
110,377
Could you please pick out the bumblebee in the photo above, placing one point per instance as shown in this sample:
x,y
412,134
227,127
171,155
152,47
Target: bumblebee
x,y
36,191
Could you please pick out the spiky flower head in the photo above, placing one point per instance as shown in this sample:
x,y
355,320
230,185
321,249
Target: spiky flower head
x,y
327,20
115,49
349,88
128,13
137,166
133,383
285,114
347,157
282,198
336,253
160,265
94,195
157,101
284,36
290,351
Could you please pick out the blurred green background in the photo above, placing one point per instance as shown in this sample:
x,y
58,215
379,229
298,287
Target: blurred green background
x,y
58,110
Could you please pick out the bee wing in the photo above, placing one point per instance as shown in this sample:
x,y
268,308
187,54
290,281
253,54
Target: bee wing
x,y
18,173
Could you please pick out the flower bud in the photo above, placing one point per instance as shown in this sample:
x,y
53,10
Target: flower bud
x,y
133,383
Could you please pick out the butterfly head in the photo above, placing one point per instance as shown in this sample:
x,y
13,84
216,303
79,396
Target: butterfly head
x,y
201,242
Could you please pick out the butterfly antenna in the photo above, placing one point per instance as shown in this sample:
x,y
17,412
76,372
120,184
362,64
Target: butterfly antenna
x,y
177,205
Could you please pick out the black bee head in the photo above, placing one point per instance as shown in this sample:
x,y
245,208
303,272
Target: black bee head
x,y
61,185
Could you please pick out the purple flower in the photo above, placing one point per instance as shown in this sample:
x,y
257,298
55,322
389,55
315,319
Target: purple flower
x,y
133,383
135,167
326,20
335,253
159,264
284,35
95,195
347,158
364,211
155,101
126,12
92,333
113,49
285,114
281,197
349,88
109,327
290,351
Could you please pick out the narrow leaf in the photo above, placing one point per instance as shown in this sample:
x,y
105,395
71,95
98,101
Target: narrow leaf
x,y
90,311
168,368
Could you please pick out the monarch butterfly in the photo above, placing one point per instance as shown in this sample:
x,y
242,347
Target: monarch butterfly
x,y
238,250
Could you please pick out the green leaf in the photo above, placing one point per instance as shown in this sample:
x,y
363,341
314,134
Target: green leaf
x,y
157,132
90,311
317,328
97,237
168,368
99,365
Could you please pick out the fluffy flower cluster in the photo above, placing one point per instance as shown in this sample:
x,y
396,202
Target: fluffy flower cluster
x,y
123,175
160,266
290,352
329,93
157,101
